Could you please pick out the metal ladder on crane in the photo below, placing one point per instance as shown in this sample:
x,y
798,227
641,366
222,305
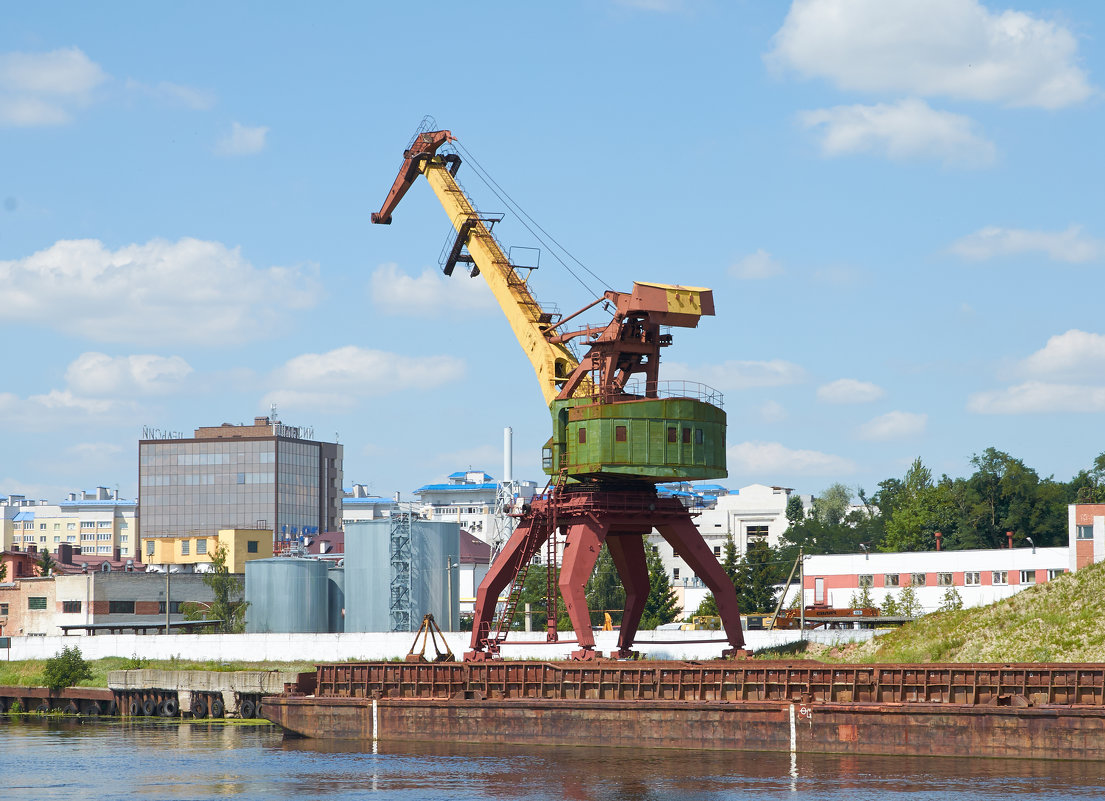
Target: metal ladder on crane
x,y
542,527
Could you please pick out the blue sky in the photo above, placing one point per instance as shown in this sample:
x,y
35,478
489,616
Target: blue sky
x,y
899,207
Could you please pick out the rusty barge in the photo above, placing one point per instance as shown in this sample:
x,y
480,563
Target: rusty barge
x,y
1048,711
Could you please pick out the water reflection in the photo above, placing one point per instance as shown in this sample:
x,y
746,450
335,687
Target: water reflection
x,y
55,759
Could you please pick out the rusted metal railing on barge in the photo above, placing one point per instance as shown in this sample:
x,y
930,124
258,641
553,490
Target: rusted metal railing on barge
x,y
966,684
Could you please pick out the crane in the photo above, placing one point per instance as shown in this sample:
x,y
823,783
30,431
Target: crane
x,y
614,437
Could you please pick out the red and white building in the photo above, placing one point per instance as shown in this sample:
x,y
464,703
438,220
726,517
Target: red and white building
x,y
1086,527
979,577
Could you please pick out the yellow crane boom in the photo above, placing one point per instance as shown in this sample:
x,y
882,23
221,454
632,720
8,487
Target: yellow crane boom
x,y
553,362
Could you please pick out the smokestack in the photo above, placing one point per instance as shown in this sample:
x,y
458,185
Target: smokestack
x,y
1009,538
939,537
508,455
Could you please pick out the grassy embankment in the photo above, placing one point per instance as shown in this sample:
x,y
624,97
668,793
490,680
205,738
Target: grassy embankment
x,y
28,673
1060,621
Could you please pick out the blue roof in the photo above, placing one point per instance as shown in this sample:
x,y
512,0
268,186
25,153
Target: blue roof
x,y
365,501
491,485
464,474
24,516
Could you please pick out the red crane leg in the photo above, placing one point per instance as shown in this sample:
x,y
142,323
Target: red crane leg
x,y
519,549
688,544
628,553
581,551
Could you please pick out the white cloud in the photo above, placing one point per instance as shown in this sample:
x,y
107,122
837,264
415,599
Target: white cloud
x,y
175,94
62,408
773,412
1072,355
98,374
429,294
767,458
948,48
242,140
336,380
906,130
1071,245
849,390
158,292
1038,397
738,375
760,264
45,88
894,425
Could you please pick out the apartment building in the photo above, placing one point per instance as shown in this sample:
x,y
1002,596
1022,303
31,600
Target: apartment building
x,y
99,523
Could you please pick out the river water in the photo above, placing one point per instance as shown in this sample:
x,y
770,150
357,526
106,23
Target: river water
x,y
42,760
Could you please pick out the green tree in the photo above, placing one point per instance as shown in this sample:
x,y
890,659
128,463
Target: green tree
x,y
757,575
66,668
920,508
908,605
3,571
890,606
862,599
605,592
227,606
951,601
831,506
730,562
708,607
45,562
795,511
661,606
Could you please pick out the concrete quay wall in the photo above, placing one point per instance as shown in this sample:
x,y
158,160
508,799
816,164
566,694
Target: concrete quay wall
x,y
389,645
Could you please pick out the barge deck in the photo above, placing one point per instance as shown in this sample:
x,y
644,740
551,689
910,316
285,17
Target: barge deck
x,y
1050,711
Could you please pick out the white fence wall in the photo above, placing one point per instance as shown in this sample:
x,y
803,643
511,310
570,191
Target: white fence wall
x,y
390,645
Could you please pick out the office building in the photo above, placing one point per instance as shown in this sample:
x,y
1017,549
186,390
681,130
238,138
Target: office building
x,y
266,475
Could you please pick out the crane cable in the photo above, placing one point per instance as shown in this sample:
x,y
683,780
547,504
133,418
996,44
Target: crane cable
x,y
523,216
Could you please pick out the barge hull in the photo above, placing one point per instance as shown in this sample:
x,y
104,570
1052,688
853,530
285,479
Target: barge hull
x,y
937,730
1048,711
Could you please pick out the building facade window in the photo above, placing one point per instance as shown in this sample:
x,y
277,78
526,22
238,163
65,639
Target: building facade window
x,y
1028,577
944,580
3,610
1000,577
1054,573
620,434
36,603
917,579
891,580
582,435
184,547
251,546
120,607
71,607
757,532
174,607
866,580
717,550
149,547
1085,532
675,574
972,578
201,546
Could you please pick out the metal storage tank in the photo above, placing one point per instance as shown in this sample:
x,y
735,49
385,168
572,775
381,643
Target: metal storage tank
x,y
336,590
286,595
398,569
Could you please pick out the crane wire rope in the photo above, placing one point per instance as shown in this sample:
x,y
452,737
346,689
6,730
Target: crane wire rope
x,y
523,216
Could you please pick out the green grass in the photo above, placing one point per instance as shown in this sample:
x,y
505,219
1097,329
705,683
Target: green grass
x,y
1060,621
28,673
